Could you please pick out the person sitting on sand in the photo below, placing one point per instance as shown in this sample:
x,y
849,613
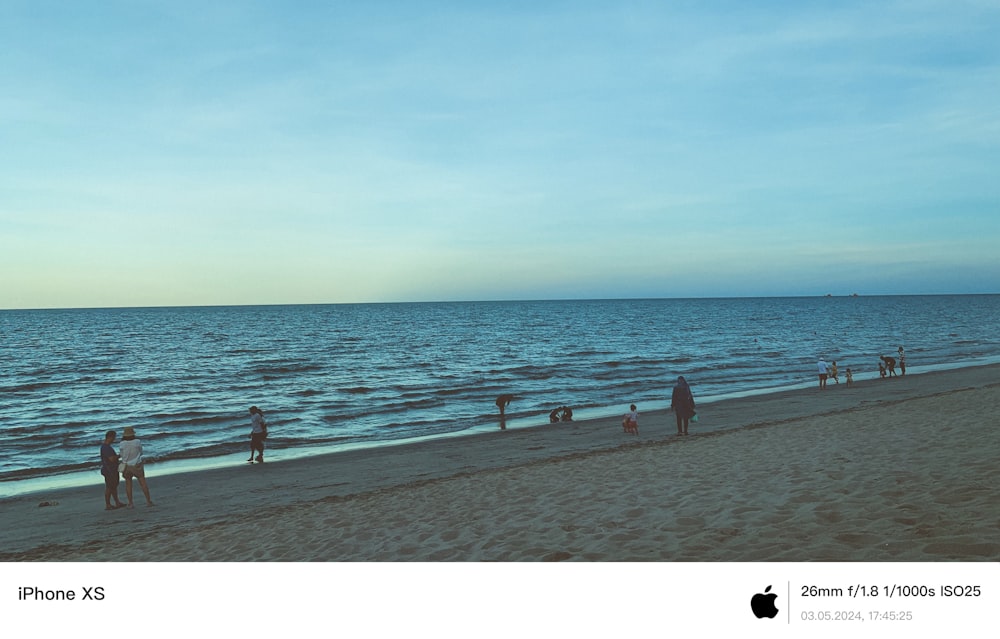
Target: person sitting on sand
x,y
109,468
134,465
258,433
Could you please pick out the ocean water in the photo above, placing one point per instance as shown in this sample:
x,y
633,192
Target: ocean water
x,y
335,376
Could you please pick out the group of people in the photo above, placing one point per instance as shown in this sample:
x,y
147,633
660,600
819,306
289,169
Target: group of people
x,y
886,368
887,365
561,414
681,402
128,463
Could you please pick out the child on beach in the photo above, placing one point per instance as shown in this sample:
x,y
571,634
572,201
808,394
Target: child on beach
x,y
833,372
258,433
902,361
630,421
850,377
881,369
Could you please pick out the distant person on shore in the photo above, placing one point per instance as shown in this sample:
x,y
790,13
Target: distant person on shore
x,y
554,416
503,402
890,365
833,372
630,421
824,372
109,468
902,361
881,369
134,462
567,414
258,433
850,377
682,403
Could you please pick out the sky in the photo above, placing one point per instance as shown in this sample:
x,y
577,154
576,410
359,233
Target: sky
x,y
191,153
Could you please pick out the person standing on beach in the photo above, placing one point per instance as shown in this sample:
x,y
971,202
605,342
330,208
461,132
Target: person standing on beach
x,y
902,361
109,468
833,372
134,465
258,433
630,421
824,371
682,403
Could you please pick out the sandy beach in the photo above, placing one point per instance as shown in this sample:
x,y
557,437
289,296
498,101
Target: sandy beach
x,y
890,470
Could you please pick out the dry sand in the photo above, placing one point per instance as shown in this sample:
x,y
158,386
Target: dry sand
x,y
896,470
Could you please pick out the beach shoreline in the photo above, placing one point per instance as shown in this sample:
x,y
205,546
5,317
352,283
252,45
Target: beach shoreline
x,y
894,470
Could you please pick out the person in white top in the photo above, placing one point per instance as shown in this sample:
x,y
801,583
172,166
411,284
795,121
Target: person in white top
x,y
258,433
630,421
824,372
133,465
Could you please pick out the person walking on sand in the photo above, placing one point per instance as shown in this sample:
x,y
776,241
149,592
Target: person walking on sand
x,y
682,403
833,372
824,372
258,433
134,462
902,361
109,468
630,421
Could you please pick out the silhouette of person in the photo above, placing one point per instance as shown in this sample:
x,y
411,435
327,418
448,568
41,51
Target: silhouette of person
x,y
902,361
109,468
890,365
503,402
682,402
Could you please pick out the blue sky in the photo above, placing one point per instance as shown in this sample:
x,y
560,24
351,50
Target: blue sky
x,y
164,153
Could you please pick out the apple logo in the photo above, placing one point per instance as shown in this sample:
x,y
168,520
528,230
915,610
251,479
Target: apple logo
x,y
763,604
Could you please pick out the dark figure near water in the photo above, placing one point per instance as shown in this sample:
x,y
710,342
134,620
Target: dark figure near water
x,y
682,403
902,361
567,414
890,365
503,402
554,416
109,468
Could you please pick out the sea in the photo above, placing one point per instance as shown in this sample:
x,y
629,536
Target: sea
x,y
341,376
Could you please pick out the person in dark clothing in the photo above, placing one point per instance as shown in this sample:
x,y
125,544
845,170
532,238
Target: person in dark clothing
x,y
109,468
503,402
682,403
